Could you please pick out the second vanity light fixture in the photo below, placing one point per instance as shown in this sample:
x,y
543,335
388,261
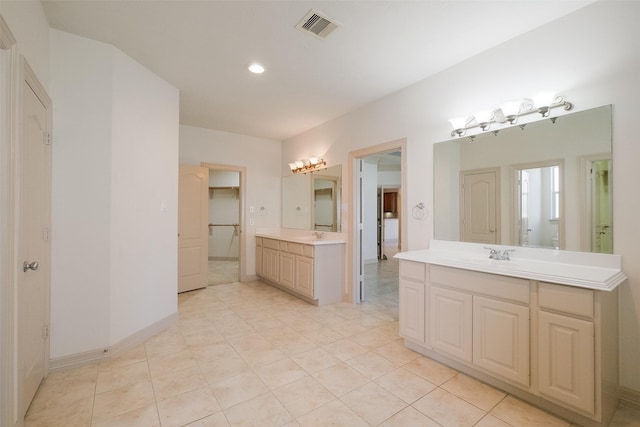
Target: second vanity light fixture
x,y
307,165
509,112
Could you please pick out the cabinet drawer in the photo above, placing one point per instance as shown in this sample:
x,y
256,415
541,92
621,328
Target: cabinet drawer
x,y
307,250
295,248
412,270
258,241
566,299
270,243
504,287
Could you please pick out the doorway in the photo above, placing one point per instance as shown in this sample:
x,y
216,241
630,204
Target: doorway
x,y
597,233
374,278
479,201
223,227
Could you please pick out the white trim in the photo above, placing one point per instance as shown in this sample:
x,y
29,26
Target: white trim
x,y
351,279
242,171
8,312
92,356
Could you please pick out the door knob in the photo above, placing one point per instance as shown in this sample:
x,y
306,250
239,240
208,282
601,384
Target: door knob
x,y
30,266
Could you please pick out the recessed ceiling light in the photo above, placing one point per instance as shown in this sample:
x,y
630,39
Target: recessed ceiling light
x,y
256,68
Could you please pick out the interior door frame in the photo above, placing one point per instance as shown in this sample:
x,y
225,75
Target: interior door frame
x,y
586,163
351,290
242,241
9,172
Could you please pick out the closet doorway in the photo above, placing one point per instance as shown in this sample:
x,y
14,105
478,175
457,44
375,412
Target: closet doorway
x,y
225,224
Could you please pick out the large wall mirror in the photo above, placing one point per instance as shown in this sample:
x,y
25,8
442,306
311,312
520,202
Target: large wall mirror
x,y
311,201
544,184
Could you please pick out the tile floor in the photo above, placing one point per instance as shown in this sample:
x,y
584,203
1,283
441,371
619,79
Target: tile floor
x,y
247,354
222,271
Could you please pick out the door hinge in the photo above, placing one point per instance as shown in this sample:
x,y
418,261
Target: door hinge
x,y
45,234
47,139
45,332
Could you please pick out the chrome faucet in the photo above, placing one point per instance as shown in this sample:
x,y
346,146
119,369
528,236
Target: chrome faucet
x,y
497,255
318,234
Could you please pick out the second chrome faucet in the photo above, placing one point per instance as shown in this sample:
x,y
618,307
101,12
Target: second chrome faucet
x,y
496,254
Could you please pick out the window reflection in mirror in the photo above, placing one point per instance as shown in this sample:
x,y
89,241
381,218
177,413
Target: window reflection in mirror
x,y
312,201
579,143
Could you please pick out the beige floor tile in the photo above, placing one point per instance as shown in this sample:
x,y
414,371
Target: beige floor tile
x,y
166,363
448,410
112,377
133,355
65,389
473,391
121,400
390,329
371,365
347,328
371,339
490,421
334,414
521,414
303,396
409,417
222,369
215,420
211,352
405,385
340,379
373,403
74,414
169,344
187,407
345,349
83,374
431,370
143,417
315,360
369,321
396,352
293,345
263,410
238,389
626,417
178,382
323,336
279,373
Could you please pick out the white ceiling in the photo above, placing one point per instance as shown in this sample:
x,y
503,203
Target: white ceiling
x,y
203,48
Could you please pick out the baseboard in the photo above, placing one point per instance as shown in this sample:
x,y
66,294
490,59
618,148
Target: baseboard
x,y
629,397
92,356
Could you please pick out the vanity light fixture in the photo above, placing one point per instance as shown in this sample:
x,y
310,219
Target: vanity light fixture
x,y
509,112
307,165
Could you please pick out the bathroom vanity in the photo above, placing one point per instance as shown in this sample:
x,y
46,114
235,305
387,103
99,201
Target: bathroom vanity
x,y
308,265
542,325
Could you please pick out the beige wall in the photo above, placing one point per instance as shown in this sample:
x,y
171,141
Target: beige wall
x,y
590,56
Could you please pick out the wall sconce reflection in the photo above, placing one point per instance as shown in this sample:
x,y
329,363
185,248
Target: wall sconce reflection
x,y
307,165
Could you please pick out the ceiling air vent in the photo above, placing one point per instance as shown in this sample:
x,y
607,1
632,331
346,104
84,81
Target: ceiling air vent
x,y
317,24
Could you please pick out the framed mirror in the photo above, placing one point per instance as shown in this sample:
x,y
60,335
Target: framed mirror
x,y
545,184
311,201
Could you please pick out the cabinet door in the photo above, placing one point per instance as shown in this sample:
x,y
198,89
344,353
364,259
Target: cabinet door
x,y
501,338
259,260
270,263
450,318
304,275
412,313
287,269
566,360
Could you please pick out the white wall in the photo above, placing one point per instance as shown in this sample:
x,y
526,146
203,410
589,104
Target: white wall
x,y
115,159
590,56
144,177
260,156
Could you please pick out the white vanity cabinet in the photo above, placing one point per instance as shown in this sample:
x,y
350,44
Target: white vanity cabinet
x,y
553,344
312,272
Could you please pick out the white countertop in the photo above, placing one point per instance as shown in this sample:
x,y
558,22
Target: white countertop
x,y
306,237
581,269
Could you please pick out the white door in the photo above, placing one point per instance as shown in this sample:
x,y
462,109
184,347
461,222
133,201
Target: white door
x,y
479,207
193,233
33,279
